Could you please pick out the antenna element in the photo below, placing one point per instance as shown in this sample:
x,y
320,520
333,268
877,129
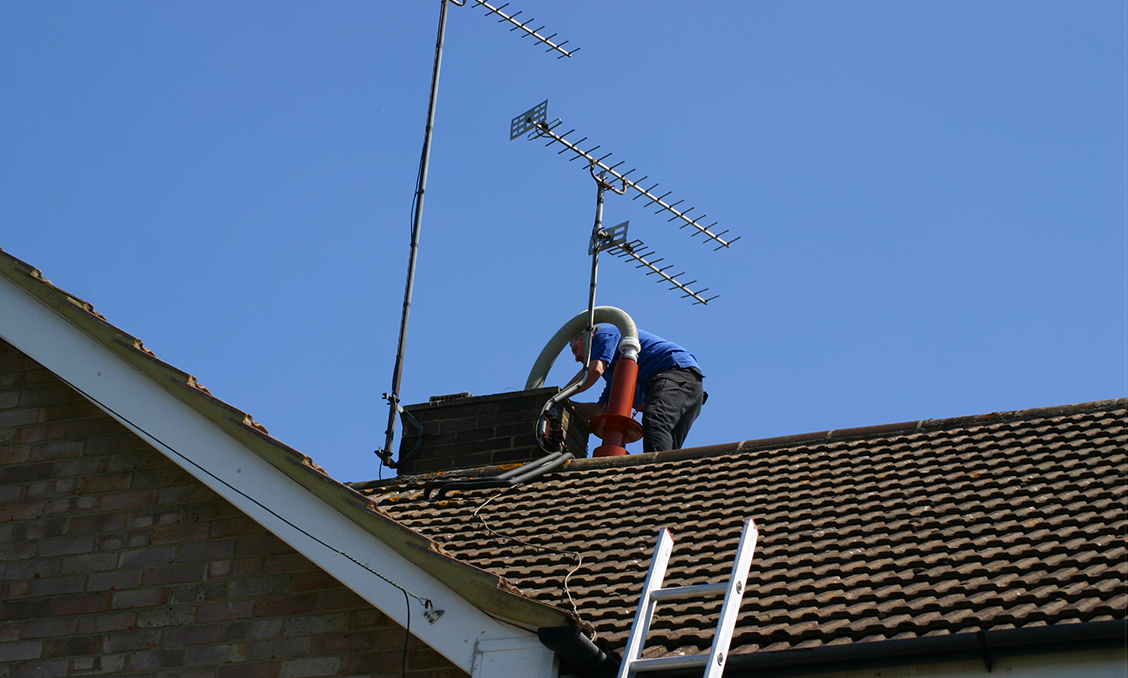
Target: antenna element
x,y
524,26
639,252
535,121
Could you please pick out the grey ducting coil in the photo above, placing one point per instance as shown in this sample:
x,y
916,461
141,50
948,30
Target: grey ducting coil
x,y
603,314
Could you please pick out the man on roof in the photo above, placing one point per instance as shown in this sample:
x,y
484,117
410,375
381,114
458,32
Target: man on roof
x,y
669,390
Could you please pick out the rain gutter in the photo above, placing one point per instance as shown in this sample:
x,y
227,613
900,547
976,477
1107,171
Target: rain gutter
x,y
987,646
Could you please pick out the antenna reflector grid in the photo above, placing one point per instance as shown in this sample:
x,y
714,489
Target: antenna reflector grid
x,y
528,120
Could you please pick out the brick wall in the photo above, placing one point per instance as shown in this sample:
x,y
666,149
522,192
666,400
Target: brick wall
x,y
483,431
114,561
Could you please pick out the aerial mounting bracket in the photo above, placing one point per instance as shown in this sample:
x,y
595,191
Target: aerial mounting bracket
x,y
605,239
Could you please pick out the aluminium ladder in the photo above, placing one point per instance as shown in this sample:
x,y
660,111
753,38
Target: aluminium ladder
x,y
652,593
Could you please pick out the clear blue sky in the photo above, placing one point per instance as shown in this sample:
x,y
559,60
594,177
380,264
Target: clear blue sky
x,y
931,198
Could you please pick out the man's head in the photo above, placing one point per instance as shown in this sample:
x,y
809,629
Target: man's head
x,y
579,343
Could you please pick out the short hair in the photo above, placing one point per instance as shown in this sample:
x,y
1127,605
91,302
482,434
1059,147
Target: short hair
x,y
583,333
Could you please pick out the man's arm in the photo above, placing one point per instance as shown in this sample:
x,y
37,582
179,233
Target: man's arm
x,y
595,371
589,410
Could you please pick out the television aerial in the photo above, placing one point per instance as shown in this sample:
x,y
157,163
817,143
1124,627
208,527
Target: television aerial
x,y
534,123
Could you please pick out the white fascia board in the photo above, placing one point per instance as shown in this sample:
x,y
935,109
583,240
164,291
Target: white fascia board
x,y
157,416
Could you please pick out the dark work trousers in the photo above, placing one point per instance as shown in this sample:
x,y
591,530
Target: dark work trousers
x,y
673,403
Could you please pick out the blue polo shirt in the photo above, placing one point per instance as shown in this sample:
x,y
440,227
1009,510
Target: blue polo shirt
x,y
656,355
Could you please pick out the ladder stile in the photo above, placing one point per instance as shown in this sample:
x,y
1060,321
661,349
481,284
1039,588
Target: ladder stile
x,y
645,611
733,599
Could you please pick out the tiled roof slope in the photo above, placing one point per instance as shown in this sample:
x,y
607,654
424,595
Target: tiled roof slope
x,y
921,529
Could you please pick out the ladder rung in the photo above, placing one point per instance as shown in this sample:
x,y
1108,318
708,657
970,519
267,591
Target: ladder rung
x,y
683,592
686,661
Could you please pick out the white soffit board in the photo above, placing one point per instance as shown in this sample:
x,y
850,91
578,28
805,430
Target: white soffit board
x,y
512,657
160,418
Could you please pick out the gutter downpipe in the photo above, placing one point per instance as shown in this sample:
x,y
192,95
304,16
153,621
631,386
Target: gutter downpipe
x,y
583,657
616,427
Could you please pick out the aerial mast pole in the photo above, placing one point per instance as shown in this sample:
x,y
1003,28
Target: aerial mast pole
x,y
393,397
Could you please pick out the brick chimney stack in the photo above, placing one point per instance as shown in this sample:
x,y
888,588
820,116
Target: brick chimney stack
x,y
462,431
